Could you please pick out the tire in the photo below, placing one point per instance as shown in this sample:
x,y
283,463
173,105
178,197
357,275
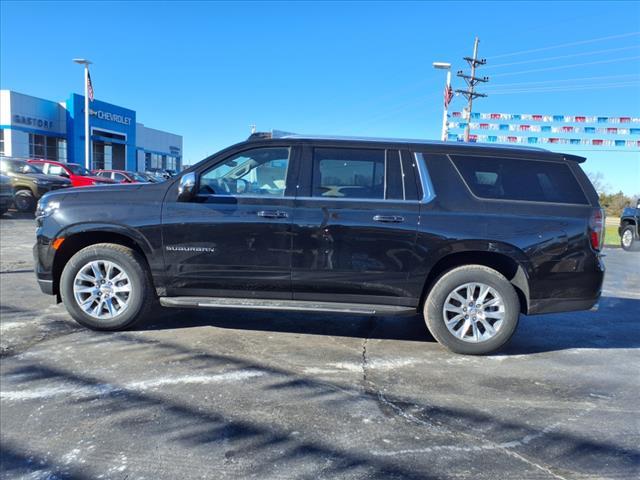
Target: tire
x,y
128,308
459,280
24,201
628,240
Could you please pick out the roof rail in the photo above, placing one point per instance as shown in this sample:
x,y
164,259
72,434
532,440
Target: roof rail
x,y
270,135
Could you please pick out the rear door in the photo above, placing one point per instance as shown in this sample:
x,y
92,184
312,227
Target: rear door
x,y
234,238
354,228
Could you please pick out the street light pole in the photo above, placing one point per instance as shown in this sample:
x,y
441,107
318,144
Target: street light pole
x,y
445,114
87,137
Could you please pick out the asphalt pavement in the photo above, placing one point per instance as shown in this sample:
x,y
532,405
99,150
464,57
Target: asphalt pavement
x,y
225,394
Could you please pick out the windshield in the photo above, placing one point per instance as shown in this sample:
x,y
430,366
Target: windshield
x,y
18,166
78,169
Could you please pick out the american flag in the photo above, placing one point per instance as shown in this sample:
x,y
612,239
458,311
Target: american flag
x,y
448,95
89,87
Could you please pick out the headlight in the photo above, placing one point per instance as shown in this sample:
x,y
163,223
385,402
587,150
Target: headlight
x,y
43,182
47,208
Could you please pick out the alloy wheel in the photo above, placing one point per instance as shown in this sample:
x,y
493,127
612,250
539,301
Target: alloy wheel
x,y
102,289
474,312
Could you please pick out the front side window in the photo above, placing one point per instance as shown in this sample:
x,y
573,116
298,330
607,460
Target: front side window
x,y
517,179
348,173
56,170
261,171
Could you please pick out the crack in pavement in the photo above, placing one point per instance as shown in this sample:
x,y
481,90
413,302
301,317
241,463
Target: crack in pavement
x,y
508,448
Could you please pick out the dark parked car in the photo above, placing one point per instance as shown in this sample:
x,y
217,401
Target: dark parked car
x,y
29,183
151,178
6,193
469,235
629,229
161,173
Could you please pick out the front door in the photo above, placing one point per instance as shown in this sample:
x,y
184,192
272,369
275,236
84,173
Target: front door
x,y
354,228
234,238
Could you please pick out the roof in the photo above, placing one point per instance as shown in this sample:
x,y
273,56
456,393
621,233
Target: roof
x,y
278,134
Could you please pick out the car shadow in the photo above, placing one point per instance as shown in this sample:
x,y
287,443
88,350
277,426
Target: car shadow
x,y
615,325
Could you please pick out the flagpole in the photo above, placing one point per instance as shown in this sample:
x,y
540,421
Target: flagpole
x,y
445,115
87,138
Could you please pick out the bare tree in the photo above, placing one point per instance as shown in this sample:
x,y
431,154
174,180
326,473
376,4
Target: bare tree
x,y
597,180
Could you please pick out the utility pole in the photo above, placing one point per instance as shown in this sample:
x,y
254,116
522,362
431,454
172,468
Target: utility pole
x,y
472,81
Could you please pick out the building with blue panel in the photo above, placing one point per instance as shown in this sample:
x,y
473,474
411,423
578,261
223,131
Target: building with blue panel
x,y
32,127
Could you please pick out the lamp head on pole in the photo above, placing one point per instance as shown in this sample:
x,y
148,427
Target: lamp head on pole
x,y
442,65
82,61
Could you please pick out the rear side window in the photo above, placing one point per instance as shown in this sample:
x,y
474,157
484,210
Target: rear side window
x,y
348,173
515,179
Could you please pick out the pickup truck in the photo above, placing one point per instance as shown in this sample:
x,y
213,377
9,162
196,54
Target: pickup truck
x,y
629,228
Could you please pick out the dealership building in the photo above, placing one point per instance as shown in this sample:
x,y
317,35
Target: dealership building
x,y
32,127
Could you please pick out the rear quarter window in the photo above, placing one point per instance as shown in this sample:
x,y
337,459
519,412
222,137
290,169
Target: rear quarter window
x,y
516,179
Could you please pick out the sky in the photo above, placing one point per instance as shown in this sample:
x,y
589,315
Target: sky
x,y
209,70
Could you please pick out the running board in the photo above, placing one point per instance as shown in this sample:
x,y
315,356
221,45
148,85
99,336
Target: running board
x,y
296,305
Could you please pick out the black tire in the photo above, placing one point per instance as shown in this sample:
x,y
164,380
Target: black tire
x,y
454,279
142,298
25,201
630,246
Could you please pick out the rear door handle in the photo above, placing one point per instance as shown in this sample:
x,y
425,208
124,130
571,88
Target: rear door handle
x,y
272,214
388,218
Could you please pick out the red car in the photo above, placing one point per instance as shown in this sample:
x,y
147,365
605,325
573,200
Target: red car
x,y
121,176
79,176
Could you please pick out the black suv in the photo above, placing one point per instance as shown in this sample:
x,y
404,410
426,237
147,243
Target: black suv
x,y
629,229
469,235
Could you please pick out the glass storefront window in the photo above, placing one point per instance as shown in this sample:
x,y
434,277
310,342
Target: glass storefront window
x,y
43,146
62,150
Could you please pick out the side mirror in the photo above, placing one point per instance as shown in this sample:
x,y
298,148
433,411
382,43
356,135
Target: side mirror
x,y
64,174
187,188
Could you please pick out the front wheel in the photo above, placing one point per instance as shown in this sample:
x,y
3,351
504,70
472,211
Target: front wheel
x,y
107,287
628,240
24,201
472,310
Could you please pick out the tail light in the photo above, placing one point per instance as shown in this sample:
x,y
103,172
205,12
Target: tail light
x,y
596,229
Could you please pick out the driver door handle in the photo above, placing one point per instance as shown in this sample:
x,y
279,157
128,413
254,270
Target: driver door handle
x,y
388,218
272,214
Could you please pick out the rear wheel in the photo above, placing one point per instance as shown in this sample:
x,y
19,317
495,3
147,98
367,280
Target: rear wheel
x,y
472,310
107,287
24,201
628,240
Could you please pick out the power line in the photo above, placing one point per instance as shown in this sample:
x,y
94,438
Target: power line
x,y
601,77
598,62
566,88
559,57
570,44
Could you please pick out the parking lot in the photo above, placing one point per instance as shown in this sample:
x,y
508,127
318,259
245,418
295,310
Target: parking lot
x,y
228,394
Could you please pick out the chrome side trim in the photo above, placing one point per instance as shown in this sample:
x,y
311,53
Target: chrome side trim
x,y
285,305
